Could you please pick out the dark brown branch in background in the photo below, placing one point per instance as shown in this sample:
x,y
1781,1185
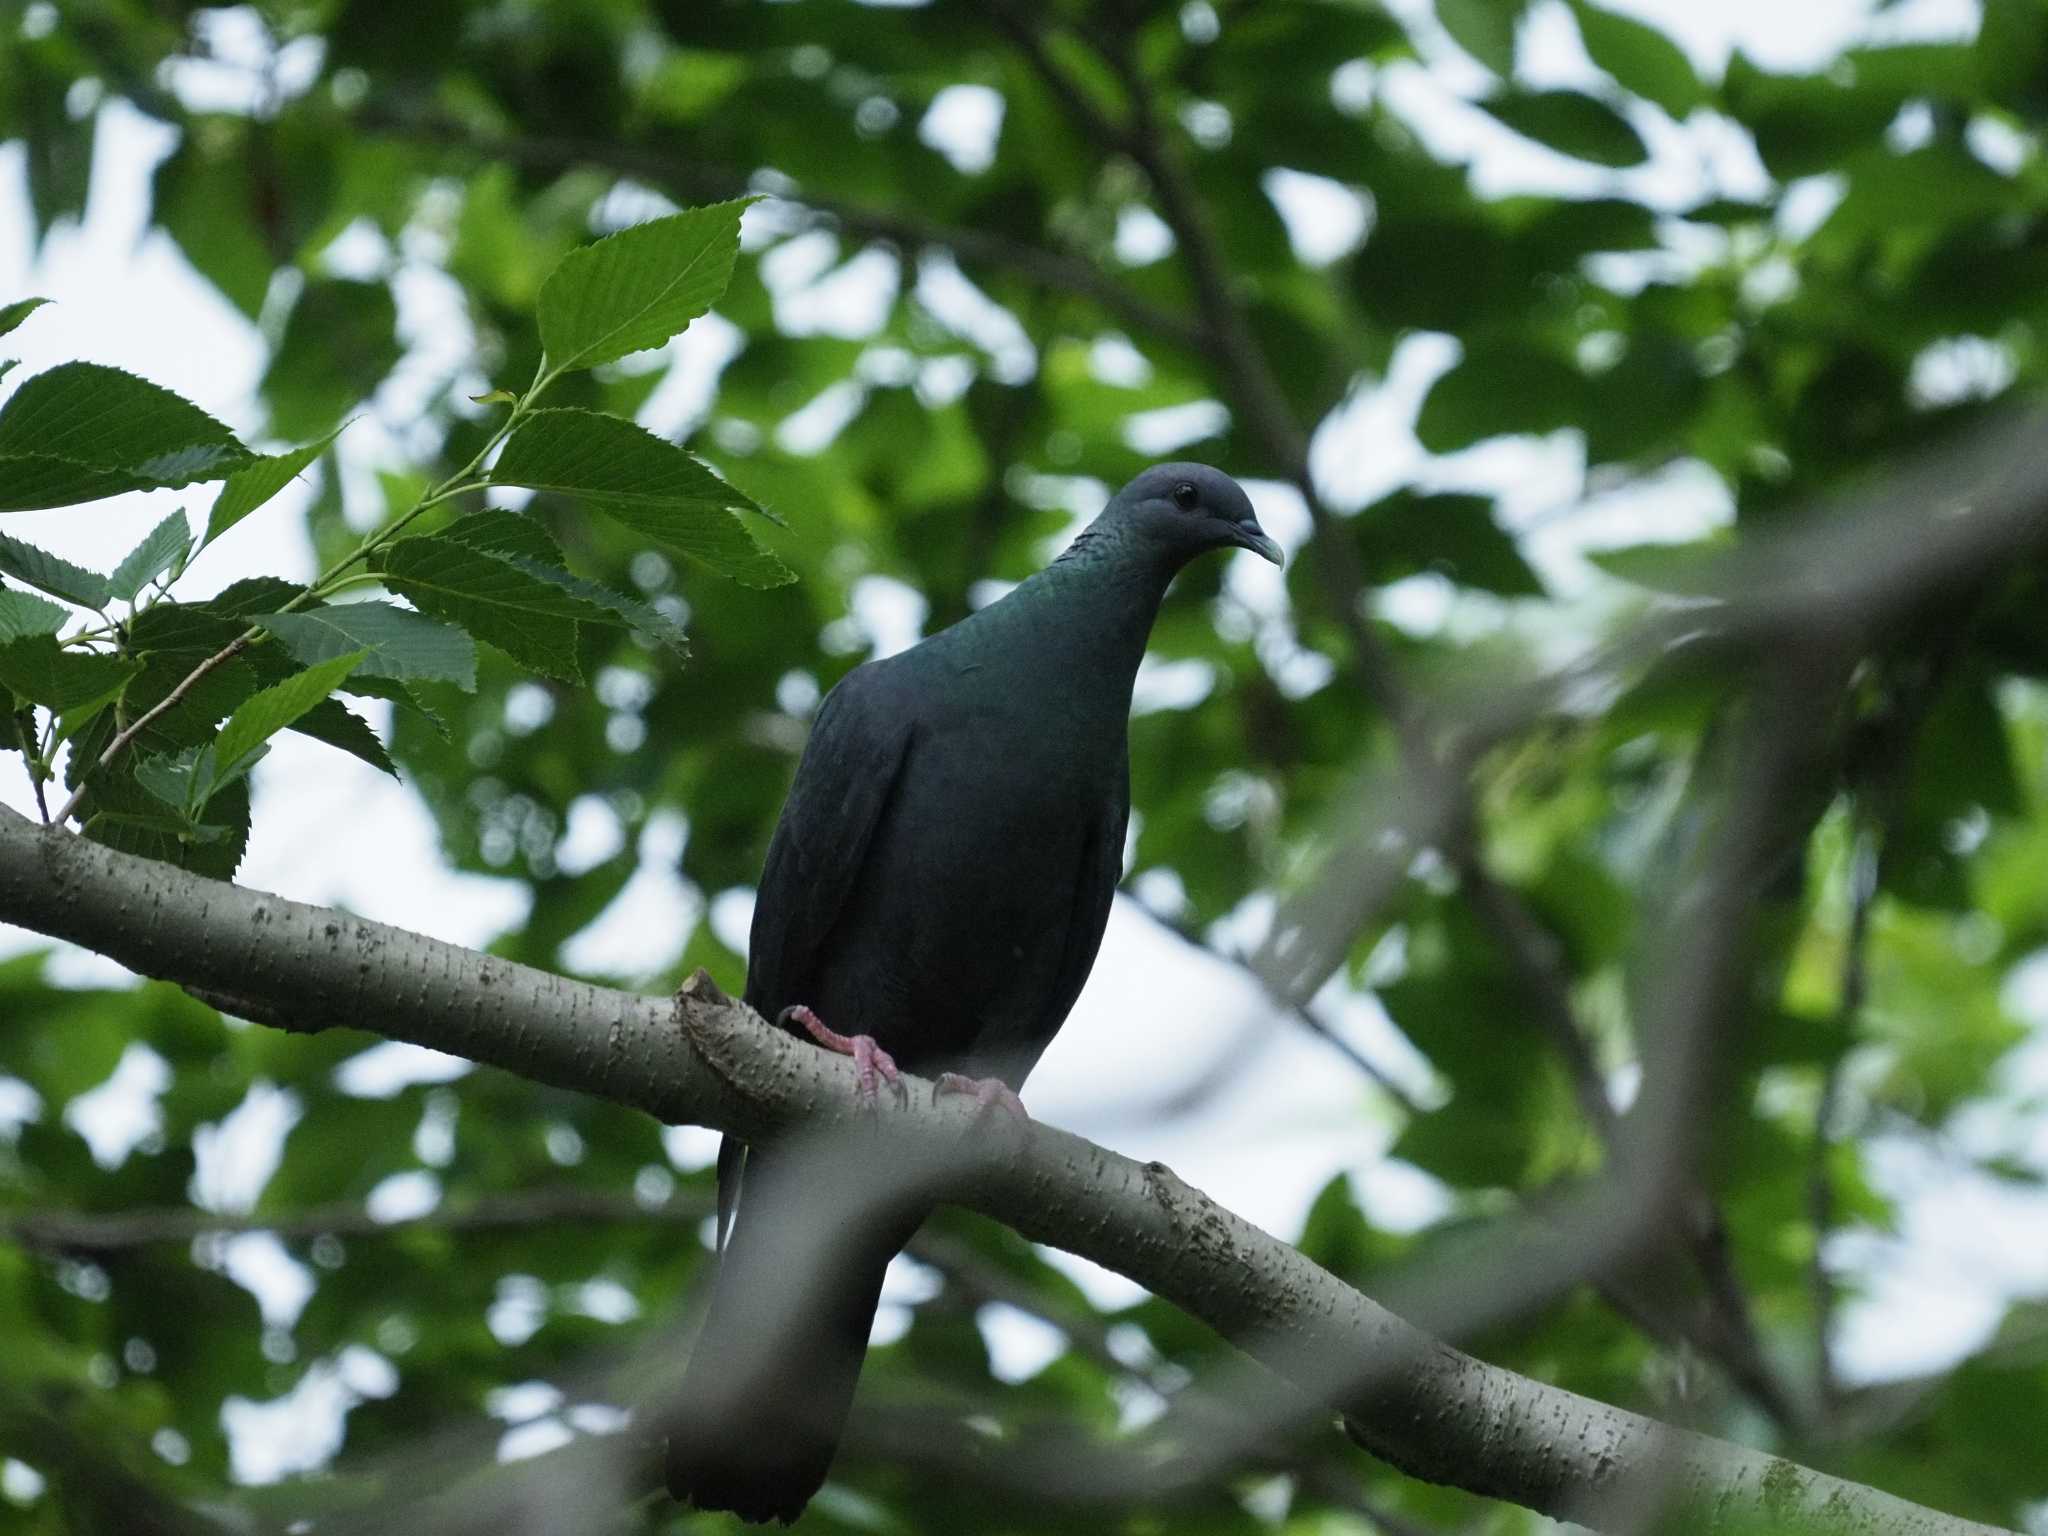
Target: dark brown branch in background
x,y
690,180
1255,392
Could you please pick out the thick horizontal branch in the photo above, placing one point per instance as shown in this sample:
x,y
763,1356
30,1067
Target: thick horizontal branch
x,y
705,1059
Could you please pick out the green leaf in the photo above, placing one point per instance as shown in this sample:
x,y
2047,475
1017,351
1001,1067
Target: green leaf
x,y
486,593
251,486
526,544
36,668
1697,569
1572,124
24,614
336,724
1485,29
394,642
1454,535
11,315
82,431
46,573
339,342
163,547
1640,58
270,711
637,288
399,696
649,484
1499,387
185,781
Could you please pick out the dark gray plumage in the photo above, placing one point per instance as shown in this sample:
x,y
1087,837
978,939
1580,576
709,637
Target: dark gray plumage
x,y
939,880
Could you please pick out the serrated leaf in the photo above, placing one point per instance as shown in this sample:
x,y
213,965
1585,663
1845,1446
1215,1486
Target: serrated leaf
x,y
81,431
161,548
36,668
11,315
395,642
1640,58
23,614
1571,123
645,482
487,594
399,696
526,544
336,724
46,573
266,713
637,288
255,483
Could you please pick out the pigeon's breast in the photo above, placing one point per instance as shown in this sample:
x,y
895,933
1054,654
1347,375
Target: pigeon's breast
x,y
958,924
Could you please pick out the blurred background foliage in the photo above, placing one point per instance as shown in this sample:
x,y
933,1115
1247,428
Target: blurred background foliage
x,y
1011,254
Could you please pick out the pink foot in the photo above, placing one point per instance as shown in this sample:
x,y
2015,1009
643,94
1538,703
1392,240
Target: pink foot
x,y
872,1066
988,1092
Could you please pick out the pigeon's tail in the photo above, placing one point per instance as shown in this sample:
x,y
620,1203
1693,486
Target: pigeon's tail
x,y
765,1398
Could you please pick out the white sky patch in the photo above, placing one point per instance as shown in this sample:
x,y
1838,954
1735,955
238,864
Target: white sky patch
x,y
522,1400
694,361
1172,427
644,928
403,1196
391,1066
1019,1345
732,917
1113,360
591,834
1325,219
1142,237
811,427
963,123
234,1158
1163,685
534,1439
690,1147
121,1113
890,612
20,1482
19,1104
302,1430
815,294
261,1265
518,1309
952,299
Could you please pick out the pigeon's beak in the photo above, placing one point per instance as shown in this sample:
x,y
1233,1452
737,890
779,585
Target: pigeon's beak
x,y
1254,538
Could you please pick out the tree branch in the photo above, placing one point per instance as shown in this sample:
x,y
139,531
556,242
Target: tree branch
x,y
692,180
702,1058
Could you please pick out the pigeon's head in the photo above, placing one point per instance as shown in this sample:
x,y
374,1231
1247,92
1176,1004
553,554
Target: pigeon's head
x,y
1191,508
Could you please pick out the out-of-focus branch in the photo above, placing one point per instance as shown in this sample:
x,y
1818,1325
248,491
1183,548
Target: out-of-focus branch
x,y
108,1232
704,1059
692,180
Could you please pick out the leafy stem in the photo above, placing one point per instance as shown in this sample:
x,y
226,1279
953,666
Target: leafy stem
x,y
338,575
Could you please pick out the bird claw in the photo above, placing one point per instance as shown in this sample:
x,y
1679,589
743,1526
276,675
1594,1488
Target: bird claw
x,y
987,1091
872,1066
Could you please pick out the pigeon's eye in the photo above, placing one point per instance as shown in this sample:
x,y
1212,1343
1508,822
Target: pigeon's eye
x,y
1184,496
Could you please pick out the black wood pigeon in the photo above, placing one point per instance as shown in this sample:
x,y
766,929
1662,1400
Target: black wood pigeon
x,y
934,897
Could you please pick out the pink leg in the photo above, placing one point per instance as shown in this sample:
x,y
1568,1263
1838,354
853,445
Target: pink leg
x,y
872,1066
988,1092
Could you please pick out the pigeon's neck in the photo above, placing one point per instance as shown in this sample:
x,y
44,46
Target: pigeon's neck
x,y
1090,612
